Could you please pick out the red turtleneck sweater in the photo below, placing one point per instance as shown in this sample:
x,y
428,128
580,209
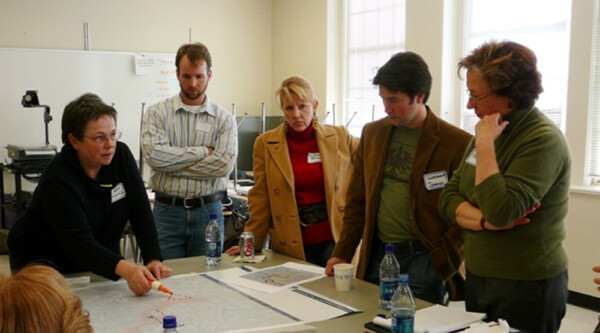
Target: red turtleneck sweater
x,y
308,181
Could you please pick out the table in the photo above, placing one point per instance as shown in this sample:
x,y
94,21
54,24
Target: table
x,y
363,295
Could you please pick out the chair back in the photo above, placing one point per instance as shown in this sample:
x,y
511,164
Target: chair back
x,y
3,241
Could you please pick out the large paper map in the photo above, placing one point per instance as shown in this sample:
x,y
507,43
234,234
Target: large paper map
x,y
206,305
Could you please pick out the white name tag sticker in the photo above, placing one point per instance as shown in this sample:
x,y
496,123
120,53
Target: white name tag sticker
x,y
204,127
117,193
435,180
314,158
472,158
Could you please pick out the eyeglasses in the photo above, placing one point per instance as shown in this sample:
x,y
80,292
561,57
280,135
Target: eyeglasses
x,y
101,138
477,98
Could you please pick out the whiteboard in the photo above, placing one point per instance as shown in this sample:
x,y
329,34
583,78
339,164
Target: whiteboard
x,y
60,76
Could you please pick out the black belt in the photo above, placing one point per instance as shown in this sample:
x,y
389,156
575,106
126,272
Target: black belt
x,y
407,247
312,213
188,202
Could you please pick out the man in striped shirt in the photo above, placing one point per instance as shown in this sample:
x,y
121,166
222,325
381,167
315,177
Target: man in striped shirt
x,y
191,144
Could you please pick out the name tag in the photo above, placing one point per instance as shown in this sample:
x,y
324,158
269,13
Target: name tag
x,y
314,158
472,159
117,193
435,180
204,127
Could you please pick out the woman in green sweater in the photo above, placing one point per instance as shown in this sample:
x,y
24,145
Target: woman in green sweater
x,y
511,193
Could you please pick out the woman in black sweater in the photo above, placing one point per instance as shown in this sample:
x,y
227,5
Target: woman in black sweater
x,y
84,198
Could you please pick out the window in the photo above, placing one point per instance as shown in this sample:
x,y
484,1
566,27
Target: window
x,y
594,109
546,34
375,31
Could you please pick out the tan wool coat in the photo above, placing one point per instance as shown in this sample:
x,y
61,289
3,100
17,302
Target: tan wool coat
x,y
272,201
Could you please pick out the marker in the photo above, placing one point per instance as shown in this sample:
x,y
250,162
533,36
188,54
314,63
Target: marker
x,y
158,286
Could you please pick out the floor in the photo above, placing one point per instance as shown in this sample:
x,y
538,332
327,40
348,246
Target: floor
x,y
577,319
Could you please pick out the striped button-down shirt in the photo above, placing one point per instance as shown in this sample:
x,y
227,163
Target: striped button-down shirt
x,y
174,140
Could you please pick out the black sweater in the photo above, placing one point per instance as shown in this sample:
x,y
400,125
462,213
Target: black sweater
x,y
72,223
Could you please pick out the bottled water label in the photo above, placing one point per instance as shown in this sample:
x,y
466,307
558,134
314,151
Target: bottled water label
x,y
213,242
213,249
402,323
387,289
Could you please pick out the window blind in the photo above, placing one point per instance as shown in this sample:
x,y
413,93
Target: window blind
x,y
547,35
594,108
375,31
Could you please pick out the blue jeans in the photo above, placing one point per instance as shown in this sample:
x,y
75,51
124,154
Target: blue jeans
x,y
425,281
181,231
318,254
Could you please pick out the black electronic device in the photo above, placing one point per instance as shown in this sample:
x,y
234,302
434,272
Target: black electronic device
x,y
40,154
31,100
21,153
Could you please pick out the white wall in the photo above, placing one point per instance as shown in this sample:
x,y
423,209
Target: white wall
x,y
258,43
300,45
238,34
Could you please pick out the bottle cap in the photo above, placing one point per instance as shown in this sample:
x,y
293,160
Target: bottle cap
x,y
403,278
389,248
213,216
169,322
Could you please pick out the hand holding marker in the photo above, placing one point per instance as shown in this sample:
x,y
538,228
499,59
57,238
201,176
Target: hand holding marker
x,y
158,286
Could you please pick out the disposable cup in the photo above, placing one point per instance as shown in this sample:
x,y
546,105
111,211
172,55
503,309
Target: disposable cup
x,y
343,276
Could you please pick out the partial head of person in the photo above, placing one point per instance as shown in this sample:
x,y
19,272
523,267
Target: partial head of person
x,y
501,77
194,71
90,126
404,86
38,299
297,100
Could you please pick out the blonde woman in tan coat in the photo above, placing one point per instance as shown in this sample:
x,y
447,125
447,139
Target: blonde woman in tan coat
x,y
301,172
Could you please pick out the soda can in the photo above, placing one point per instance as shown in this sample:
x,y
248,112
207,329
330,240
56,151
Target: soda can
x,y
247,245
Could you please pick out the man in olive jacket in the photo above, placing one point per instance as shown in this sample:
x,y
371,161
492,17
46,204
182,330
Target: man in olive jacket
x,y
401,165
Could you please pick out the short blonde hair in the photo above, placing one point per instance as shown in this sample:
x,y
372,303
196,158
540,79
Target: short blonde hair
x,y
38,299
295,85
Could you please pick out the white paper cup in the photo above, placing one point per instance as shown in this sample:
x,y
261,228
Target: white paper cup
x,y
343,276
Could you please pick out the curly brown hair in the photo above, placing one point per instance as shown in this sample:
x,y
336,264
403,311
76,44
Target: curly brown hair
x,y
510,70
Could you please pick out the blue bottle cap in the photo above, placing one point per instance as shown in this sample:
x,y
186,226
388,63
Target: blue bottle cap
x,y
169,322
389,248
213,216
403,278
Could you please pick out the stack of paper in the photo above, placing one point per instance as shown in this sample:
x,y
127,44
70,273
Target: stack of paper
x,y
438,319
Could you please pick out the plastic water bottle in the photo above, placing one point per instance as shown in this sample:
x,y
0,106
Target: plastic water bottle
x,y
403,308
169,324
213,242
389,272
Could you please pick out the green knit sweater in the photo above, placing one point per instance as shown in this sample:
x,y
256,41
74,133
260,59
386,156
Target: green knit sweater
x,y
535,166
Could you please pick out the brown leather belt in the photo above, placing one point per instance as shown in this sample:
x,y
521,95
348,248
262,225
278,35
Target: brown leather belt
x,y
188,202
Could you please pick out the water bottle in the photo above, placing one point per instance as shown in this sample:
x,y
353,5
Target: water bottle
x,y
169,324
389,272
213,242
403,308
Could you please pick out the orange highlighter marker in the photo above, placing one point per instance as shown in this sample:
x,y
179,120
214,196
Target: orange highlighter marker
x,y
155,284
